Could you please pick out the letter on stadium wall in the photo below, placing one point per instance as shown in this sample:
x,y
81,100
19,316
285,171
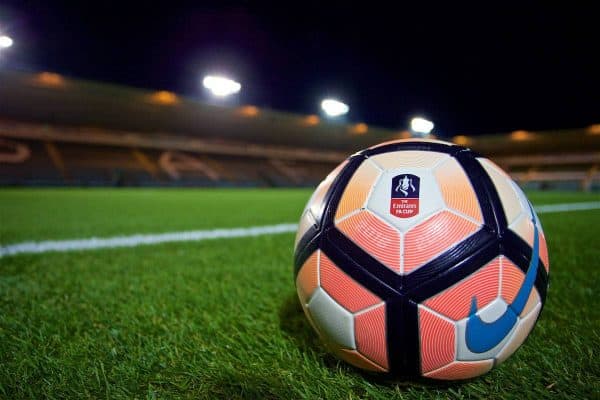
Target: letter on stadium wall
x,y
173,163
13,152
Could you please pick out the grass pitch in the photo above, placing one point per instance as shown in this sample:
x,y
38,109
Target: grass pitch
x,y
220,318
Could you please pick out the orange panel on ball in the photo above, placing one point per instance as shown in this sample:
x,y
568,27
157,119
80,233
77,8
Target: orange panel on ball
x,y
408,159
512,279
369,331
375,236
307,279
438,341
343,289
457,189
427,240
462,370
455,302
358,188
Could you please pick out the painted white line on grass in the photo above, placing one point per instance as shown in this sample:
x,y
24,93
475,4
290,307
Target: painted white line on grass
x,y
187,236
552,208
142,239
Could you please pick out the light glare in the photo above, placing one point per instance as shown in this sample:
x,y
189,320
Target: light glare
x,y
5,41
521,135
164,97
221,86
311,120
50,79
421,125
334,108
461,140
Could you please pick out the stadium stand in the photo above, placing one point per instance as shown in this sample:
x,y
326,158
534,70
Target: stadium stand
x,y
60,131
27,163
545,170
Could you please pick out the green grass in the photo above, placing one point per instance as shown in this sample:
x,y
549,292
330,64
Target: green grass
x,y
220,318
67,213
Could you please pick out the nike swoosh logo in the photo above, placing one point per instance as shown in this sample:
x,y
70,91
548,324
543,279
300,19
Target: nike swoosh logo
x,y
482,336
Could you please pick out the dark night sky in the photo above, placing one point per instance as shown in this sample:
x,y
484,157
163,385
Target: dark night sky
x,y
473,70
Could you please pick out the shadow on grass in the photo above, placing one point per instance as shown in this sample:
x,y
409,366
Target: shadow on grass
x,y
294,324
245,385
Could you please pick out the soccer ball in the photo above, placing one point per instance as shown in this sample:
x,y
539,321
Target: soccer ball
x,y
421,258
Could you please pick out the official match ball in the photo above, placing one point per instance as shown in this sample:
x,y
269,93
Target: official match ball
x,y
421,258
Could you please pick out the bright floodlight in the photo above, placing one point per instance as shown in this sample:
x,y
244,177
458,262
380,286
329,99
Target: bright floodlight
x,y
421,125
5,41
334,108
221,86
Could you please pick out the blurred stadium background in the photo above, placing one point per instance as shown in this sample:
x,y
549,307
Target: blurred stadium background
x,y
58,131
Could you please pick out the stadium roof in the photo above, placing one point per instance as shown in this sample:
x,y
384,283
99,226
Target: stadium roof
x,y
52,98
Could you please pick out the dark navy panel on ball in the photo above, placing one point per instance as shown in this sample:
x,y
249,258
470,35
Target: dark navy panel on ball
x,y
412,145
519,252
489,201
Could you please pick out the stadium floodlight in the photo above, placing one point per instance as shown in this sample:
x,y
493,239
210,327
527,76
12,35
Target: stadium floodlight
x,y
334,108
421,125
221,86
5,42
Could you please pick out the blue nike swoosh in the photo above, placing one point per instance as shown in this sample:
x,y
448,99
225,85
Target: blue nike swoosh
x,y
483,336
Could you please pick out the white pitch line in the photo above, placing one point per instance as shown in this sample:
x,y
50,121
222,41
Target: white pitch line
x,y
553,208
142,239
187,236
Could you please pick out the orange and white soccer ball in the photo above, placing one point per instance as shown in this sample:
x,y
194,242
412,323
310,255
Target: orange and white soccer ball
x,y
421,258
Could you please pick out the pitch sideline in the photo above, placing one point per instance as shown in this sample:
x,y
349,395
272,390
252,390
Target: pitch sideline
x,y
187,236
